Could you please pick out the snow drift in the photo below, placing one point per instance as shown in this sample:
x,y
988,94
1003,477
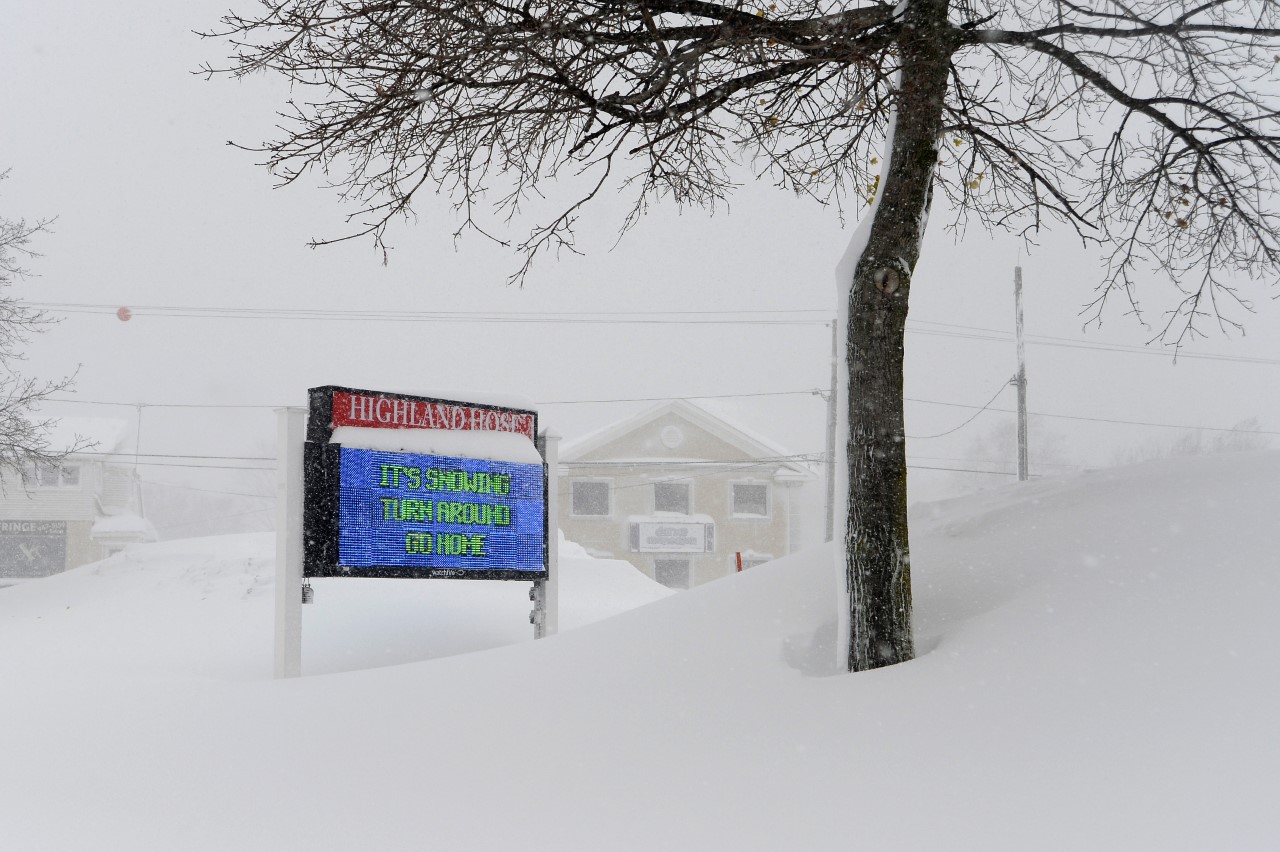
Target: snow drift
x,y
1098,671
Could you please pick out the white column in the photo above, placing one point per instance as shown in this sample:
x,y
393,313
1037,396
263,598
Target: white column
x,y
551,454
831,433
1021,379
291,433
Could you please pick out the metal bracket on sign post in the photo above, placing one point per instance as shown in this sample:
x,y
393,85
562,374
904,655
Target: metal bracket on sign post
x,y
538,616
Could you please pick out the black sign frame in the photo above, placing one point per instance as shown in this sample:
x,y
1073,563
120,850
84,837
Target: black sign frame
x,y
320,489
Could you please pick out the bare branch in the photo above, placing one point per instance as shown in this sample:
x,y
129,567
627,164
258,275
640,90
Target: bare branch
x,y
1094,115
24,439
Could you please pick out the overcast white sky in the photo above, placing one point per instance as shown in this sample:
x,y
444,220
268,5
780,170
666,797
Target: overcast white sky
x,y
104,125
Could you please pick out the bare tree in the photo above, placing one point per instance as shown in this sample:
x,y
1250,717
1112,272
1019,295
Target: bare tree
x,y
24,437
1147,126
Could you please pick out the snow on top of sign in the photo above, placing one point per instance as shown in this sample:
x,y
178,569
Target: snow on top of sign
x,y
470,444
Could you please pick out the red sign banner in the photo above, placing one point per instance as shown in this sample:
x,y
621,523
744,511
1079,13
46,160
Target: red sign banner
x,y
373,410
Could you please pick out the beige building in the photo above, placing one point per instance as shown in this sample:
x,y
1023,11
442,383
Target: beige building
x,y
57,517
683,495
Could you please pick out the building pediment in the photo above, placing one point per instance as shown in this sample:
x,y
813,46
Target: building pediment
x,y
679,432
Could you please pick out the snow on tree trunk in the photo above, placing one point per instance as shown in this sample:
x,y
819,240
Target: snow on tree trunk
x,y
876,552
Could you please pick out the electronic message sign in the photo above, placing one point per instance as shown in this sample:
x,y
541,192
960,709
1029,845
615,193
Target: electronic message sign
x,y
420,511
371,512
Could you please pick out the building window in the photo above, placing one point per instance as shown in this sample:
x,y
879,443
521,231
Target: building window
x,y
751,499
52,475
589,498
673,497
672,573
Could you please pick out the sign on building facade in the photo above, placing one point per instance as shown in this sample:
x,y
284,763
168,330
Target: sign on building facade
x,y
672,537
32,548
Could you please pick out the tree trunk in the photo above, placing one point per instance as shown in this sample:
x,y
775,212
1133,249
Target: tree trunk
x,y
878,562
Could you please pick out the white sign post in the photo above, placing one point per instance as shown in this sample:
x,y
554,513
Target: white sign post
x,y
546,593
291,433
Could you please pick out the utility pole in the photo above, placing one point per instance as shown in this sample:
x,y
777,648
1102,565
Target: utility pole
x,y
1020,378
137,451
831,435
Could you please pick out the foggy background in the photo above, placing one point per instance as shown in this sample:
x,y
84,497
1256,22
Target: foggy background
x,y
104,125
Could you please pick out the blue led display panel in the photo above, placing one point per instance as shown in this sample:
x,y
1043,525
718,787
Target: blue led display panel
x,y
412,511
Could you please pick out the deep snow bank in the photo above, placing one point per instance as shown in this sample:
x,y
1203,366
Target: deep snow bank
x,y
1100,673
205,607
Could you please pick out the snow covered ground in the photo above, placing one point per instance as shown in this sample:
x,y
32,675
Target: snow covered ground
x,y
1098,671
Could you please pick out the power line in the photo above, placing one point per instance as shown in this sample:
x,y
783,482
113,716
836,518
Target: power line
x,y
776,316
763,460
803,458
731,467
996,461
711,317
159,404
720,467
999,391
1001,336
154,484
212,405
203,466
1102,419
809,392
196,456
218,518
968,470
113,308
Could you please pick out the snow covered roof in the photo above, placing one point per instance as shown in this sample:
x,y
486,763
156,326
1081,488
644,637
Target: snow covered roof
x,y
751,445
108,434
124,526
